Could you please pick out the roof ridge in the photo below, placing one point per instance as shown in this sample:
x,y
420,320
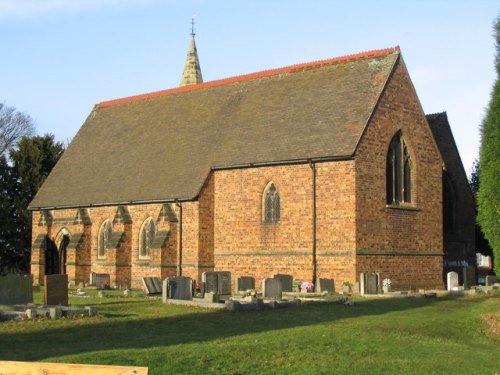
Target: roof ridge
x,y
437,114
256,75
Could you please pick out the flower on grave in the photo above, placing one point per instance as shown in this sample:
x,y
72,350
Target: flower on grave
x,y
346,283
198,286
251,293
386,283
307,286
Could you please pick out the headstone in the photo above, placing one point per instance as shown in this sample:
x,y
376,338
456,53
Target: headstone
x,y
271,288
211,282
371,284
286,282
152,285
451,280
157,284
362,286
16,289
217,282
469,274
224,282
102,280
490,280
56,290
325,285
180,287
245,283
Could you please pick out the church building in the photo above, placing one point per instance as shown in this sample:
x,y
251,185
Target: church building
x,y
321,169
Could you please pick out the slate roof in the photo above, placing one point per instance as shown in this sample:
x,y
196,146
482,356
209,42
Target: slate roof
x,y
161,146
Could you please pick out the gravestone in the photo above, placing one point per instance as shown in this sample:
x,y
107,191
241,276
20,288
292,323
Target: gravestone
x,y
211,282
157,284
451,280
217,282
490,280
179,287
362,286
224,282
102,280
286,282
325,285
245,283
152,285
371,283
56,290
15,289
469,274
271,288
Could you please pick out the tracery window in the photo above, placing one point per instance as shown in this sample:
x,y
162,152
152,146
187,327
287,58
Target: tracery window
x,y
146,238
271,204
399,172
104,237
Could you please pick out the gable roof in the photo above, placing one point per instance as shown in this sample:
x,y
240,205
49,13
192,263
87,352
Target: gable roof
x,y
159,147
441,130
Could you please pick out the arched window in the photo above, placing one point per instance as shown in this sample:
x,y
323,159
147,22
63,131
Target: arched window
x,y
105,233
271,204
399,172
146,238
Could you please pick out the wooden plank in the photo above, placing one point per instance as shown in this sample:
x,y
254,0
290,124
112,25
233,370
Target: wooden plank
x,y
40,368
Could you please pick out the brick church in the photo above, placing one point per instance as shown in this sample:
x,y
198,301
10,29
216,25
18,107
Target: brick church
x,y
322,169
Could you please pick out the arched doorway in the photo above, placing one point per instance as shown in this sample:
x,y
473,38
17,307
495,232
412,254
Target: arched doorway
x,y
51,257
63,240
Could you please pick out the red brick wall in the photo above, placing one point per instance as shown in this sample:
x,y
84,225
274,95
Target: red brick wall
x,y
123,264
247,246
400,231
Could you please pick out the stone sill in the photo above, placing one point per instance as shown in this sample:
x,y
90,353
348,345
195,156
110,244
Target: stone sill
x,y
402,207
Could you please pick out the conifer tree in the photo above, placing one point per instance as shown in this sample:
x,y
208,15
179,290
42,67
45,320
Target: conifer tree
x,y
489,184
32,161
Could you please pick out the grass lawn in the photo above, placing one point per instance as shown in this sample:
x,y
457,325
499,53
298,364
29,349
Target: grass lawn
x,y
406,336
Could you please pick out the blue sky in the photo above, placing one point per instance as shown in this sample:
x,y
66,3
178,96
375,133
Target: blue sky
x,y
60,57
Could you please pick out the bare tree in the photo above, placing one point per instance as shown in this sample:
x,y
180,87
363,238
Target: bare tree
x,y
13,126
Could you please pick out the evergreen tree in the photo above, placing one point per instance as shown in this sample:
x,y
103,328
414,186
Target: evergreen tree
x,y
482,245
489,183
10,256
32,161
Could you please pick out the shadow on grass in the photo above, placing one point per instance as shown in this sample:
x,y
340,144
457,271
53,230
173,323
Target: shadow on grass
x,y
70,337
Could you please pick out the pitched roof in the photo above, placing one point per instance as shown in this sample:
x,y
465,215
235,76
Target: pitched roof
x,y
441,130
161,146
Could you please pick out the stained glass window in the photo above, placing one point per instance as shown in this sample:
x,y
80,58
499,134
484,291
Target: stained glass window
x,y
271,204
399,172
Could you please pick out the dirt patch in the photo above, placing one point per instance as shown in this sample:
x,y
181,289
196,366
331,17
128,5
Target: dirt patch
x,y
491,323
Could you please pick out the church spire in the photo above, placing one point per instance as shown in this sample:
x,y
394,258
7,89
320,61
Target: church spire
x,y
192,71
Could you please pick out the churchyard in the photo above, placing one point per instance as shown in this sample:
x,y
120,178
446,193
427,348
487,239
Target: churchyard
x,y
450,334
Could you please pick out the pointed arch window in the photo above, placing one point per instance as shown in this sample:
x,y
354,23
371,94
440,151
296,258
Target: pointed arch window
x,y
146,238
399,172
448,204
105,233
271,204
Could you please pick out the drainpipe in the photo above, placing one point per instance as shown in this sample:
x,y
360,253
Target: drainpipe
x,y
314,261
179,262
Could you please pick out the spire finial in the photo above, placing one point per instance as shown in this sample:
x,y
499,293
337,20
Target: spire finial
x,y
192,23
192,71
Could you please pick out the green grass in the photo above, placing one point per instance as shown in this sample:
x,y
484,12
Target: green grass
x,y
410,336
